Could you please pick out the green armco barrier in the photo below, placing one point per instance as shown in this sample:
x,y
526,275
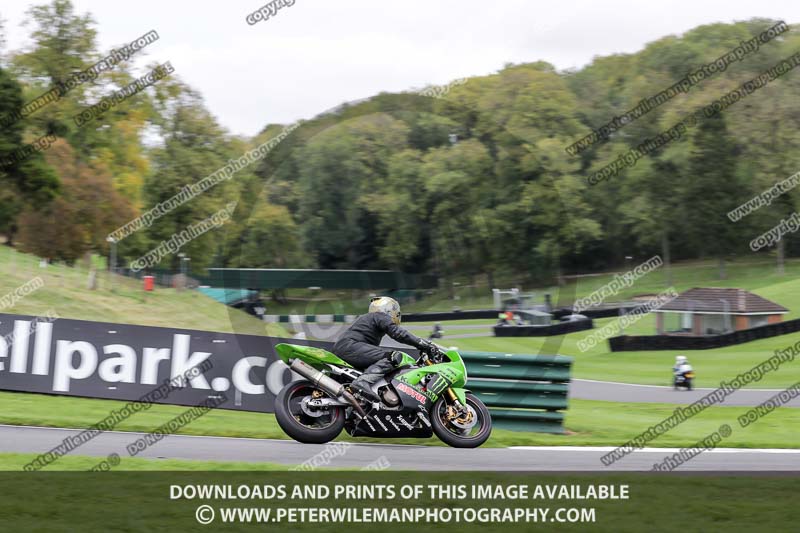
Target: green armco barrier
x,y
513,366
550,396
523,392
524,420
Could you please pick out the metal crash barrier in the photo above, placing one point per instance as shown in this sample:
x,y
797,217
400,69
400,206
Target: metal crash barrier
x,y
522,392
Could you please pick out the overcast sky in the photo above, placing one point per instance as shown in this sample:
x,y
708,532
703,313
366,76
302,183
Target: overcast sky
x,y
316,54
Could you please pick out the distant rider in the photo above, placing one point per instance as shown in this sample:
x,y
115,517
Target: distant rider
x,y
681,365
360,344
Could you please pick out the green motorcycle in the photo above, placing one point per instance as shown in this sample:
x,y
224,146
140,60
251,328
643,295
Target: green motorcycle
x,y
419,398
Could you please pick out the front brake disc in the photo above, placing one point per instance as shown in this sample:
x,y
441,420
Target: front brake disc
x,y
467,421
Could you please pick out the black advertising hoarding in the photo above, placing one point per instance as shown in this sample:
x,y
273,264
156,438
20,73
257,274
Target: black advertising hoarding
x,y
126,362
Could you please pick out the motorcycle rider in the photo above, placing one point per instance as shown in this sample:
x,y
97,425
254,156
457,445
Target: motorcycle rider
x,y
360,344
680,363
681,367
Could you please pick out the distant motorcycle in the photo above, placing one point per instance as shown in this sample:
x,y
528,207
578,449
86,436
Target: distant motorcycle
x,y
684,378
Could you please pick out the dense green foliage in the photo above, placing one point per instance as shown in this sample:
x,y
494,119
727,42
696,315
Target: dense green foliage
x,y
477,182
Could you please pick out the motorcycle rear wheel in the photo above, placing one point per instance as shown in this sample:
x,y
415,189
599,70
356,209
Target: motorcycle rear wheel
x,y
301,426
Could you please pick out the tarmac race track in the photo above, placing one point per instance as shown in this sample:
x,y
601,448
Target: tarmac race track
x,y
400,457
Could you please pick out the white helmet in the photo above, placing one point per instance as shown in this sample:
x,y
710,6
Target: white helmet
x,y
680,360
386,305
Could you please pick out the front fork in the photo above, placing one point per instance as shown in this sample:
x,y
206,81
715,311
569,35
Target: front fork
x,y
452,396
450,393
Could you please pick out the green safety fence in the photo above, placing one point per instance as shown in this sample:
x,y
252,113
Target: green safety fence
x,y
522,392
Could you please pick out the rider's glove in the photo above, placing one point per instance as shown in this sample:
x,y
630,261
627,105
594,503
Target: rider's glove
x,y
431,349
425,346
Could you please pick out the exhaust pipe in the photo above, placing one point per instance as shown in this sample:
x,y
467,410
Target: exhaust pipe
x,y
327,384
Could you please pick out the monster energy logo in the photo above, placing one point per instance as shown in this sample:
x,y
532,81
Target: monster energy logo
x,y
439,385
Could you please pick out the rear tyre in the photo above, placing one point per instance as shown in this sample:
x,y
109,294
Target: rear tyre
x,y
301,426
451,433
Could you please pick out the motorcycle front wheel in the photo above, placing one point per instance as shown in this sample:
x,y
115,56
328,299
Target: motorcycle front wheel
x,y
468,431
319,427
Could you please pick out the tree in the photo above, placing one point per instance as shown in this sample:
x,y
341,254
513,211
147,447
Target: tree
x,y
2,35
194,147
268,238
63,42
456,188
401,213
23,179
78,220
713,190
337,168
767,131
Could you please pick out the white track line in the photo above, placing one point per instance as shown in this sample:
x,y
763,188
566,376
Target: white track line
x,y
647,450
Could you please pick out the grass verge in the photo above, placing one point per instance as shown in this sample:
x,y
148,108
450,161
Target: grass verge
x,y
82,463
118,299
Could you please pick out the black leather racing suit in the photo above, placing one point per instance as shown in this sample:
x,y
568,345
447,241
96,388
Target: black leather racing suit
x,y
360,344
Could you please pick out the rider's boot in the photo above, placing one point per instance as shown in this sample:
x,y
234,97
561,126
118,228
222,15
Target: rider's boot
x,y
373,374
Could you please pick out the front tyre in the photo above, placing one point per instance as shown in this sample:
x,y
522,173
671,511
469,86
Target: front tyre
x,y
466,431
305,424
